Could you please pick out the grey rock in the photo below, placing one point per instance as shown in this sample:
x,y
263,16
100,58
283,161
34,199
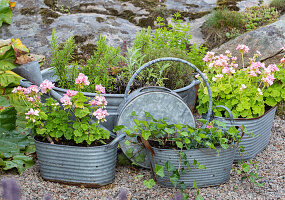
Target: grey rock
x,y
268,40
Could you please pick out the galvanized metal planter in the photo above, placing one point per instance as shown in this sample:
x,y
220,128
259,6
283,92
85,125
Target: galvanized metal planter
x,y
218,166
88,166
260,127
188,93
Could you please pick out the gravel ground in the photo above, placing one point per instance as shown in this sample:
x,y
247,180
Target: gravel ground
x,y
270,162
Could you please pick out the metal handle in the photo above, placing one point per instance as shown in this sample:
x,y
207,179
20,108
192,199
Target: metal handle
x,y
227,109
178,60
115,141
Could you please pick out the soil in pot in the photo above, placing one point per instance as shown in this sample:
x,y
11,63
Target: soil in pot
x,y
63,141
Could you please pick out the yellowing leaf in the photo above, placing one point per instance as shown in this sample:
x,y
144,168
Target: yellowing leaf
x,y
18,47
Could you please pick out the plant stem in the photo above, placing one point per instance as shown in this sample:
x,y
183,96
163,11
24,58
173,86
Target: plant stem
x,y
49,139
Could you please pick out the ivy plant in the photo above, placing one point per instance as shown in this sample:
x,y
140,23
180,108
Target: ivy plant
x,y
180,137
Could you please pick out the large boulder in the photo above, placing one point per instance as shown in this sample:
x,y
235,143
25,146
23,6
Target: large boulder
x,y
268,40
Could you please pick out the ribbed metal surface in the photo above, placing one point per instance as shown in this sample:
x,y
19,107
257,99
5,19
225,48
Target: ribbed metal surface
x,y
261,127
218,166
94,166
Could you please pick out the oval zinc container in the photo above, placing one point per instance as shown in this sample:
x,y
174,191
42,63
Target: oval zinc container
x,y
259,126
218,166
74,165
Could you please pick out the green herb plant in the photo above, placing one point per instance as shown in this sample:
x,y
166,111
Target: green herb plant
x,y
113,67
183,138
73,121
61,56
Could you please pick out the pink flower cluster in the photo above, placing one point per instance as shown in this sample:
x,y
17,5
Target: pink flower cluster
x,y
242,48
228,70
100,89
82,79
18,89
31,113
268,80
99,101
46,86
282,61
71,93
66,100
100,114
32,88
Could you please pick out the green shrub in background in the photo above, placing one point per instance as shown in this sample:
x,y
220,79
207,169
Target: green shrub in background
x,y
113,67
278,5
223,24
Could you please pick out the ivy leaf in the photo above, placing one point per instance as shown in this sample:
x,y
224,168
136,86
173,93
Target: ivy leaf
x,y
174,178
149,184
129,152
159,170
169,166
140,158
179,144
146,134
245,167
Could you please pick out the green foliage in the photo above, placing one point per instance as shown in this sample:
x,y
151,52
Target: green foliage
x,y
258,16
180,137
278,5
8,117
10,50
224,18
223,24
61,57
5,12
244,91
15,148
71,121
276,92
248,171
113,68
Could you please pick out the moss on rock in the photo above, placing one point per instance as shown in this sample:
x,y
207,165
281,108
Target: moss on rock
x,y
48,15
29,11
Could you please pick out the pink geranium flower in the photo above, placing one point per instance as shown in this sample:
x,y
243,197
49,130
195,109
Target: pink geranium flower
x,y
71,93
33,112
18,89
32,88
282,61
242,48
268,80
100,114
46,85
100,89
82,79
66,100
